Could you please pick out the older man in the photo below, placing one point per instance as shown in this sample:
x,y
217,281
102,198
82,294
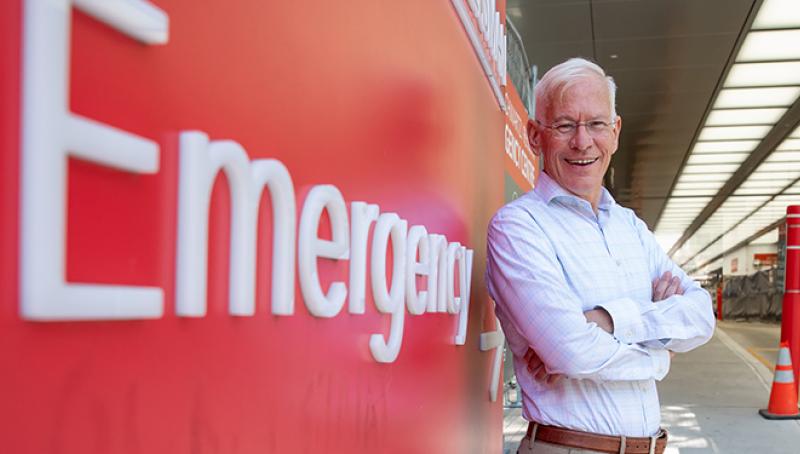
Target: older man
x,y
591,306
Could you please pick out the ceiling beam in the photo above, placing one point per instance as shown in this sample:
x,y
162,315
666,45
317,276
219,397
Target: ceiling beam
x,y
776,135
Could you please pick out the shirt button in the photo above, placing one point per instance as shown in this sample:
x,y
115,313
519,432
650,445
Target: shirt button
x,y
629,333
619,262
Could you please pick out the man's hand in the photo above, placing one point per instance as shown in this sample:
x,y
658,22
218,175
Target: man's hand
x,y
537,369
666,286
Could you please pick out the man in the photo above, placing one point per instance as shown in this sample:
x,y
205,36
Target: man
x,y
591,306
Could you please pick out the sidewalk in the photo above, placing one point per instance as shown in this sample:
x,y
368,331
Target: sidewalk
x,y
709,404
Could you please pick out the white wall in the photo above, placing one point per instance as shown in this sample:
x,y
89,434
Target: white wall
x,y
745,258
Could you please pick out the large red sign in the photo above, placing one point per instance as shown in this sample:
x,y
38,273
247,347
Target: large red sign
x,y
245,228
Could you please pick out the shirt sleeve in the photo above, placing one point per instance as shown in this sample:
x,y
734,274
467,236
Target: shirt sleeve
x,y
678,323
527,283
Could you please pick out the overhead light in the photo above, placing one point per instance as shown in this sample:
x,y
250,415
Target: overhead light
x,y
785,200
784,156
770,211
779,166
717,158
668,229
670,225
770,45
725,146
684,204
693,192
739,201
690,200
698,184
674,225
728,220
760,175
746,207
756,97
731,219
777,14
762,216
721,176
737,211
676,209
764,185
768,116
680,205
789,144
675,219
710,168
763,74
734,132
677,212
724,216
756,191
765,217
681,210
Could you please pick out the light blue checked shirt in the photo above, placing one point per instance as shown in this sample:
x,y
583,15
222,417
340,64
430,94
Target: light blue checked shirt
x,y
550,258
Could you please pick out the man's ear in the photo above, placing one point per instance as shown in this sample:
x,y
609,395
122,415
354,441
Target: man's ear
x,y
534,137
617,129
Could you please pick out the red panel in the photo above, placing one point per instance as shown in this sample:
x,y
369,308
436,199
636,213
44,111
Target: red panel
x,y
524,167
387,101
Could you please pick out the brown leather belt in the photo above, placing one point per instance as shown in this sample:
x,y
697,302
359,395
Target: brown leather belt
x,y
596,442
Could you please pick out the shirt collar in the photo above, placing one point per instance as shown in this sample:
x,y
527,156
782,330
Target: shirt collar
x,y
548,189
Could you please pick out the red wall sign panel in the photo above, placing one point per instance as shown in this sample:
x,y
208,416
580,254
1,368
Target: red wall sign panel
x,y
384,101
520,162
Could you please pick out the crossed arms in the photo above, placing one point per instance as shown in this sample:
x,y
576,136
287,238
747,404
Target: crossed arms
x,y
663,287
620,339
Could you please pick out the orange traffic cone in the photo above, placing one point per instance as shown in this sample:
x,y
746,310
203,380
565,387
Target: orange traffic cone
x,y
783,398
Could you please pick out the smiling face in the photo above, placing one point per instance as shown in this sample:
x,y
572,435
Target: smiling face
x,y
577,162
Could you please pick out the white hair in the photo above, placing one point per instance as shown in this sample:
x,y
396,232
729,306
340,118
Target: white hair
x,y
560,77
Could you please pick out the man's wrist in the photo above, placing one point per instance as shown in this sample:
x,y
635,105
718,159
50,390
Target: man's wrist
x,y
626,319
602,318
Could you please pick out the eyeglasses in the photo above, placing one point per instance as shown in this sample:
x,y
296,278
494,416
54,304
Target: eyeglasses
x,y
569,128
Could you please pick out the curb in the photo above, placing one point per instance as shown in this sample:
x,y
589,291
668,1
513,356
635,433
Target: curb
x,y
762,372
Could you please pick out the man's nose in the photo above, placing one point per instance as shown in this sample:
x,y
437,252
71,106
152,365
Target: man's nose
x,y
581,140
